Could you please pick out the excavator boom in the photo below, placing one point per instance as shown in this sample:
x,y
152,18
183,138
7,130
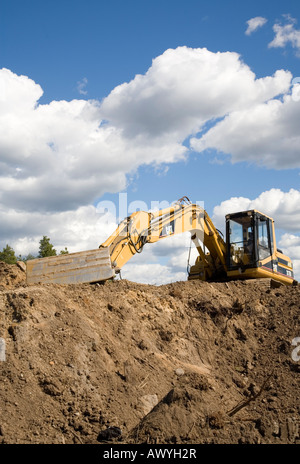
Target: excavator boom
x,y
149,227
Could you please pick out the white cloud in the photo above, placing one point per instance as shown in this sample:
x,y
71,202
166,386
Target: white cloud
x,y
81,86
62,155
161,262
254,24
82,229
291,244
153,274
261,133
283,207
291,240
286,34
184,89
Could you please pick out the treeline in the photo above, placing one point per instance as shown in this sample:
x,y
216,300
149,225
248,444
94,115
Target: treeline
x,y
46,249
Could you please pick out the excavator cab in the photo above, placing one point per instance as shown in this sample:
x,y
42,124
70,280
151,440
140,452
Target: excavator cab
x,y
251,247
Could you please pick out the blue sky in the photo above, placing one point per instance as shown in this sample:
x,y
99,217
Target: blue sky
x,y
74,51
110,42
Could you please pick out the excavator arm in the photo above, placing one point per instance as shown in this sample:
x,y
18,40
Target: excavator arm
x,y
149,227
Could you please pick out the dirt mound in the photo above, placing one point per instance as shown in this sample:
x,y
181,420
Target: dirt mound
x,y
10,275
188,362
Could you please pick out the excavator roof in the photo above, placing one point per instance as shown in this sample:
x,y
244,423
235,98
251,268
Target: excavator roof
x,y
247,213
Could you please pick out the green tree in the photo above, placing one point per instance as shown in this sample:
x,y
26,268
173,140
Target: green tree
x,y
46,248
28,257
64,252
8,255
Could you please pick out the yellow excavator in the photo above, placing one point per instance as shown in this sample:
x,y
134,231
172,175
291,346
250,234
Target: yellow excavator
x,y
249,251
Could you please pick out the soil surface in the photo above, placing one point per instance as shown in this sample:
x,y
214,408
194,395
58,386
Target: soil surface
x,y
184,363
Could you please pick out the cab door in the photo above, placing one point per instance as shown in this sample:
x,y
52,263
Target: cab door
x,y
265,245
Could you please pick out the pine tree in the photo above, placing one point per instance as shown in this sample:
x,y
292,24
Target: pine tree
x,y
8,255
64,252
46,248
28,257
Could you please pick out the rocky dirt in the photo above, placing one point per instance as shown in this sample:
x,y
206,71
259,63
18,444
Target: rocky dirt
x,y
184,363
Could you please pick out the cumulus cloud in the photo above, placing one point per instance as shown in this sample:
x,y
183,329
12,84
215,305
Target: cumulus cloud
x,y
162,262
184,89
261,133
290,243
254,24
62,155
153,274
286,34
81,86
83,229
283,207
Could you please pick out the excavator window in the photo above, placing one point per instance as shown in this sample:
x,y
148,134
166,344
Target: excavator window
x,y
265,244
240,240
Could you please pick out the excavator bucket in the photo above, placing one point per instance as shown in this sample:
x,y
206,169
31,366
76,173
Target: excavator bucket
x,y
73,268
